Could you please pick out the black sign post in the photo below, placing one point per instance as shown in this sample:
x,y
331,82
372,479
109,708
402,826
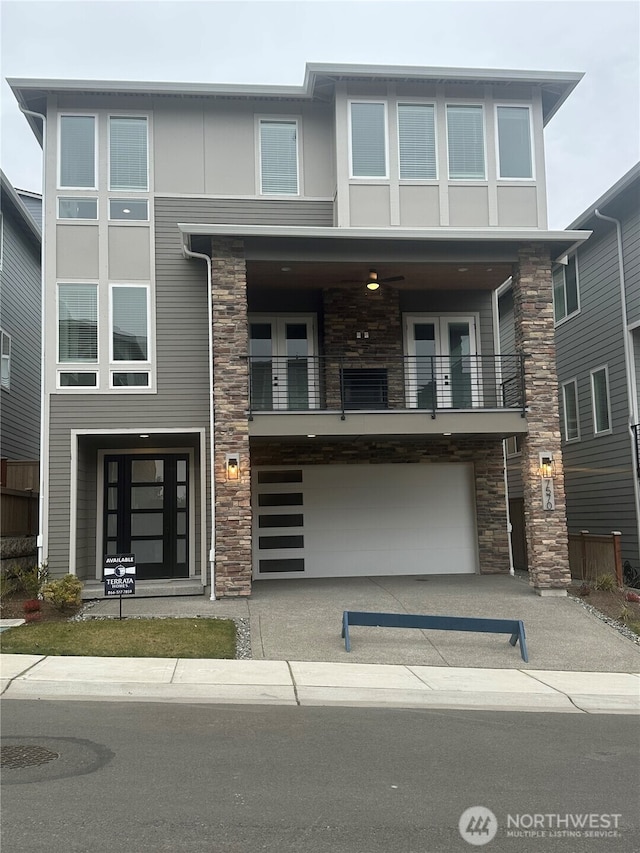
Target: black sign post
x,y
119,576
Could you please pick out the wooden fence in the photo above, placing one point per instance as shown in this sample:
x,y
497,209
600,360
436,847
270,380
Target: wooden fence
x,y
19,493
591,556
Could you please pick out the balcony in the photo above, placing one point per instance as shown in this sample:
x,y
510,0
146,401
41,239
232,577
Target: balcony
x,y
404,395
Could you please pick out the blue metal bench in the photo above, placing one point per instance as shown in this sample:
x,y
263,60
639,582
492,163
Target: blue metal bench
x,y
515,627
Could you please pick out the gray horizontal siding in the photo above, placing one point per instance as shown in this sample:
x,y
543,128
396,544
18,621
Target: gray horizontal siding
x,y
245,211
20,318
631,248
599,470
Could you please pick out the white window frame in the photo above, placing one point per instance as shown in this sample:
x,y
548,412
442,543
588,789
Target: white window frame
x,y
563,267
77,389
370,178
570,382
609,429
135,115
277,119
130,366
415,102
76,218
467,103
59,184
5,336
130,389
512,450
117,198
531,141
77,365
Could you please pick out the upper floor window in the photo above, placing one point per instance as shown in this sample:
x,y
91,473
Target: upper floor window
x,y
368,140
417,141
77,322
565,290
5,347
514,142
279,157
129,322
77,167
77,208
465,142
570,406
600,399
128,153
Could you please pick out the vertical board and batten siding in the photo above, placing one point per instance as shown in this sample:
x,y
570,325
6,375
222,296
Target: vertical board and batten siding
x,y
20,318
599,470
181,345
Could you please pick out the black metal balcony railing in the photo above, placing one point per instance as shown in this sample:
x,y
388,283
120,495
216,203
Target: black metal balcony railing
x,y
428,383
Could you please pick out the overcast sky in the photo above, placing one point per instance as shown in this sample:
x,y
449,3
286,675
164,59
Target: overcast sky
x,y
591,142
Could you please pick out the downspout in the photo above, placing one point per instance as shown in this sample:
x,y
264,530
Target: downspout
x,y
212,497
627,353
44,444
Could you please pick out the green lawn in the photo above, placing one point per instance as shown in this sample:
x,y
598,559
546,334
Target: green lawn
x,y
146,638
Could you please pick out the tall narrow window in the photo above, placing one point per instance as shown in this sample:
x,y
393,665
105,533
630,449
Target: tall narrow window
x,y
128,157
368,140
6,359
514,142
77,322
77,151
570,406
565,290
279,157
465,135
601,405
129,323
417,141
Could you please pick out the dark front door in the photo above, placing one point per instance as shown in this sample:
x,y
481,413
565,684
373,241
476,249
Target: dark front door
x,y
146,512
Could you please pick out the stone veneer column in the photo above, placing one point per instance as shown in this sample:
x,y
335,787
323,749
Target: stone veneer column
x,y
546,530
231,429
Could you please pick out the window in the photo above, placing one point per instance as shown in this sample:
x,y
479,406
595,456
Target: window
x,y
122,379
368,140
514,142
77,322
5,347
77,208
570,406
600,398
129,209
279,157
78,151
513,445
565,290
417,141
128,158
465,141
78,379
129,323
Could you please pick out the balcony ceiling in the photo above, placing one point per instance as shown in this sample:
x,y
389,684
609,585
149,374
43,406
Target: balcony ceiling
x,y
417,276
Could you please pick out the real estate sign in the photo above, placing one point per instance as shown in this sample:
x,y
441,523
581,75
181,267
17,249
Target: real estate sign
x,y
119,574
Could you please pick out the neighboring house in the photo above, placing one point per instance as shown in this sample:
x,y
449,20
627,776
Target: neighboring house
x,y
272,348
20,296
597,310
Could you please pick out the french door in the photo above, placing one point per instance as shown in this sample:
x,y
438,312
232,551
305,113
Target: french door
x,y
146,512
442,371
283,370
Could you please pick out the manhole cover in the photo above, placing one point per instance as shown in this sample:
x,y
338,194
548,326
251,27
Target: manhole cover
x,y
25,756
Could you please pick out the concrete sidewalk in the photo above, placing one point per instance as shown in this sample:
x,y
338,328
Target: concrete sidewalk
x,y
314,683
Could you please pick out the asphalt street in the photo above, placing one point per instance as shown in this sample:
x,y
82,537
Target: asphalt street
x,y
138,777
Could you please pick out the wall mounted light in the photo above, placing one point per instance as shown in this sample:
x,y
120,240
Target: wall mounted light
x,y
233,466
547,465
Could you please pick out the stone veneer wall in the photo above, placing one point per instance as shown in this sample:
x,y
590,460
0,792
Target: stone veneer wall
x,y
485,454
231,430
348,311
546,530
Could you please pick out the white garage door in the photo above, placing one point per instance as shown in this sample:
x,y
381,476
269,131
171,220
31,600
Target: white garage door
x,y
352,520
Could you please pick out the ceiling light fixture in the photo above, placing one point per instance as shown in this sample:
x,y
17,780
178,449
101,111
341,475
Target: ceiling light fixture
x,y
372,281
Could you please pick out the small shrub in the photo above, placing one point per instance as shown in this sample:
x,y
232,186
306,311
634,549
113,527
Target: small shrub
x,y
7,587
63,593
31,605
30,581
605,583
